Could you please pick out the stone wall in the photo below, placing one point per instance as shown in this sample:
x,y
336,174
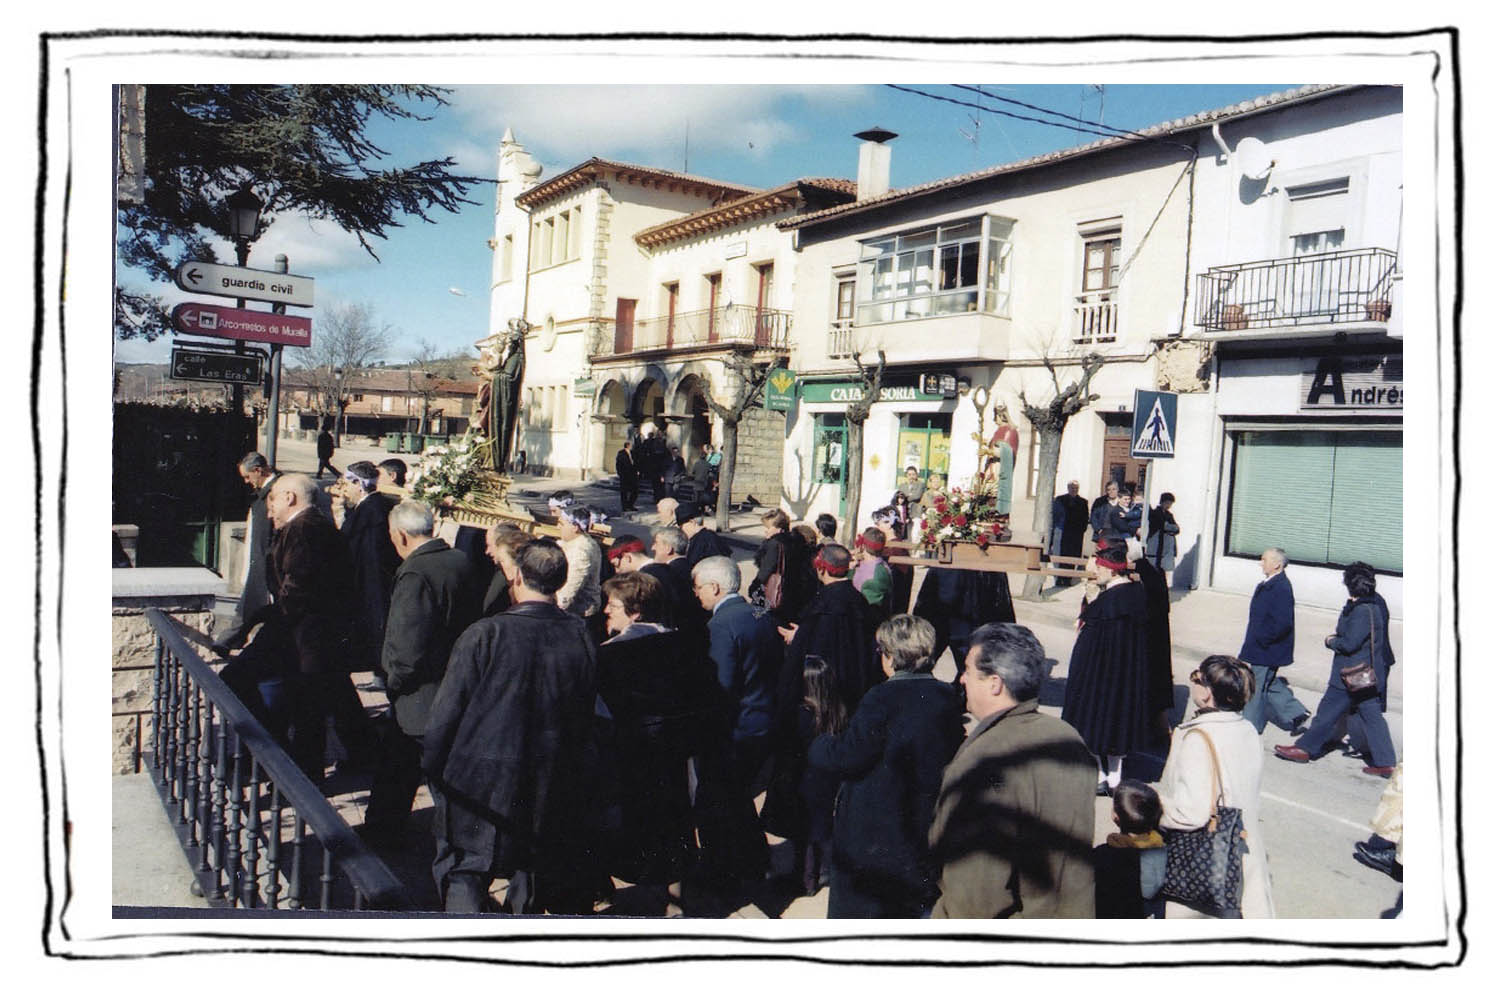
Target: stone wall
x,y
133,648
757,467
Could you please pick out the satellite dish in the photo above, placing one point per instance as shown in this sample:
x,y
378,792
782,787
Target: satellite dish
x,y
1253,159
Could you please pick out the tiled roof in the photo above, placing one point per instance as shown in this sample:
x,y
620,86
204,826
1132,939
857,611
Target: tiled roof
x,y
1193,121
388,380
594,167
788,196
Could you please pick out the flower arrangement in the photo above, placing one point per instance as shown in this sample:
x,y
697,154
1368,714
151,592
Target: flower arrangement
x,y
447,473
960,515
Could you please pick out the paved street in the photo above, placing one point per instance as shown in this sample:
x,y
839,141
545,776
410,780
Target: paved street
x,y
1312,813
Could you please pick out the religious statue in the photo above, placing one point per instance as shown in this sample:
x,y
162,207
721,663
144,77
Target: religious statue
x,y
997,454
503,363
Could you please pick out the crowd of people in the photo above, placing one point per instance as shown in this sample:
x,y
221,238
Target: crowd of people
x,y
583,714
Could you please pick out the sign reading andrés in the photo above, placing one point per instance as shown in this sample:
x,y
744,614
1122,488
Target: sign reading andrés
x,y
1353,382
847,392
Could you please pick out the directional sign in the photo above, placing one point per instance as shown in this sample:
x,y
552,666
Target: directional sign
x,y
1155,426
245,283
216,366
241,324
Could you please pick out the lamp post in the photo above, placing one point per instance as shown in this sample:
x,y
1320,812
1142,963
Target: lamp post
x,y
244,220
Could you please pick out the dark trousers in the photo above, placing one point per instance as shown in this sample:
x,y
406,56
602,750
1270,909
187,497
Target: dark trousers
x,y
1367,725
398,775
629,491
850,897
1273,700
326,463
729,831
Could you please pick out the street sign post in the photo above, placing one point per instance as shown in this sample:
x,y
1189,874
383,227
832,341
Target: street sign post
x,y
245,283
1154,431
206,320
216,366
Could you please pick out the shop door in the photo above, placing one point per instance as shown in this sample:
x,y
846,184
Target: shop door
x,y
831,455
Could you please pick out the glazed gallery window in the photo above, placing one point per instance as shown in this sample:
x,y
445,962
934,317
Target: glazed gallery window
x,y
1328,498
935,271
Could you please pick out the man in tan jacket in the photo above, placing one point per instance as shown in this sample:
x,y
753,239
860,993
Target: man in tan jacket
x,y
1013,830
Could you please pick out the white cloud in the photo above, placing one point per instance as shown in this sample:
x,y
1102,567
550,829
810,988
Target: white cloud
x,y
567,124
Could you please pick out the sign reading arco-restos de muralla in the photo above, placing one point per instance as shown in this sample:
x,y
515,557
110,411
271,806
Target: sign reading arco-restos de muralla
x,y
1352,382
904,391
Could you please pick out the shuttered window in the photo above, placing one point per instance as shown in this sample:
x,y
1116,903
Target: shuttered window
x,y
1326,497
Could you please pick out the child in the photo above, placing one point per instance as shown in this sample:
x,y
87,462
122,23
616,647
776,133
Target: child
x,y
799,798
872,577
1130,866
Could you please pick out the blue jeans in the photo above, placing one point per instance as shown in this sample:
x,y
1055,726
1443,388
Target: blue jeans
x,y
1273,700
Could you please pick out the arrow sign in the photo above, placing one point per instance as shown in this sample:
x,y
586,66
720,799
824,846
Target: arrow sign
x,y
241,324
245,283
211,366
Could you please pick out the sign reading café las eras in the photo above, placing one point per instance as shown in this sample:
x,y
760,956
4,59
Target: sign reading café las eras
x,y
1352,382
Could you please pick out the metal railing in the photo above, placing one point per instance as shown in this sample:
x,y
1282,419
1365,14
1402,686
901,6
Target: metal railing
x,y
236,798
1336,287
736,326
1096,318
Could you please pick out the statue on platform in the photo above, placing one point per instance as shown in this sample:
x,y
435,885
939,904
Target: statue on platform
x,y
502,361
997,454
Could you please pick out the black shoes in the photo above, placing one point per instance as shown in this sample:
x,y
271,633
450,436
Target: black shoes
x,y
1103,789
1299,725
1380,858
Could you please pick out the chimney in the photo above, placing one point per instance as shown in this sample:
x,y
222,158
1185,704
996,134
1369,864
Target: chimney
x,y
874,176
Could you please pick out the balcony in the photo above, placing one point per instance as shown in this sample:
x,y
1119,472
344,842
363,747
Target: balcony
x,y
1096,318
966,337
701,331
1309,295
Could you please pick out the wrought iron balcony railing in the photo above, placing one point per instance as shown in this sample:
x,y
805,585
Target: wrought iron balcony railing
x,y
731,326
1337,287
236,798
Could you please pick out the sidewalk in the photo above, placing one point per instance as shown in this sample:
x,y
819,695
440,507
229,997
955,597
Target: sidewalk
x,y
1205,622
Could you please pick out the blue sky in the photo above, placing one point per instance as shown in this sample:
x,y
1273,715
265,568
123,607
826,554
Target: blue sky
x,y
753,135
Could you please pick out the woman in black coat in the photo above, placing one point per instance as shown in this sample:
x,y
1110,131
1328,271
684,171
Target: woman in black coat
x,y
891,760
1363,636
659,694
1108,694
783,553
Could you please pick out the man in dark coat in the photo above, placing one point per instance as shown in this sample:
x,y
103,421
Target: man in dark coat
x,y
958,601
1101,508
1070,518
500,542
295,672
257,474
890,759
325,452
630,477
746,654
1158,638
436,597
1269,637
374,558
1014,822
509,752
652,461
838,624
702,541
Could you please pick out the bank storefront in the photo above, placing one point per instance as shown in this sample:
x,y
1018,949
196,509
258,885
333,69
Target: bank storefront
x,y
1310,461
910,424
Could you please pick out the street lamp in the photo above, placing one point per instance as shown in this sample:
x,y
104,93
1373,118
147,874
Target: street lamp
x,y
244,220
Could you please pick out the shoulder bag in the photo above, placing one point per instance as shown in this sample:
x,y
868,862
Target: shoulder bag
x,y
1360,679
1205,867
776,582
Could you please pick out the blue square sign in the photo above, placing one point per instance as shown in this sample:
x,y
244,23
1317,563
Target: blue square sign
x,y
1155,426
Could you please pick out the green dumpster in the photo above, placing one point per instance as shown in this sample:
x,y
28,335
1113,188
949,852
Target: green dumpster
x,y
393,442
411,443
433,440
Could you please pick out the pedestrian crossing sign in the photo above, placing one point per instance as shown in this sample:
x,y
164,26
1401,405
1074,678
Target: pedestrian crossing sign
x,y
1155,424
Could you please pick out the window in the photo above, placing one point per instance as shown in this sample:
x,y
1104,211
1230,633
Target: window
x,y
575,233
359,397
1096,308
713,281
1326,497
507,256
844,307
933,271
541,244
923,440
670,293
1317,214
830,452
1101,262
385,404
560,238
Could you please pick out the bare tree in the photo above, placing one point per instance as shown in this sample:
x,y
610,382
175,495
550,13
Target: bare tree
x,y
346,340
421,379
1048,420
856,414
748,381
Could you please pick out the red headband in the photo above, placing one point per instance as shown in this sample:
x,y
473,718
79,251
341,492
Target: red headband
x,y
626,547
1110,564
863,543
823,567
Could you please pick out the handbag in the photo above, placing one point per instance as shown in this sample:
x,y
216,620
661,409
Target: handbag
x,y
1205,867
776,582
1360,678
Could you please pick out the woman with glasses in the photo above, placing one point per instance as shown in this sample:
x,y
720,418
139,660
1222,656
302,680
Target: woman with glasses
x,y
1217,733
658,693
